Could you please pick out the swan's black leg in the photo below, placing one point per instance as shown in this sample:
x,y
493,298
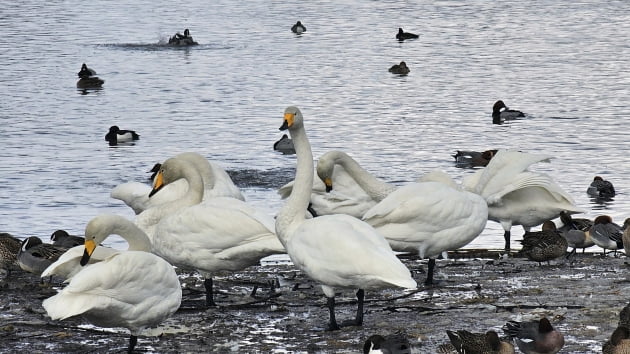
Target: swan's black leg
x,y
209,292
332,325
429,280
506,235
132,343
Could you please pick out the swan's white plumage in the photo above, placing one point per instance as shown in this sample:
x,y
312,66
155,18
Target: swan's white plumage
x,y
516,196
346,198
429,218
217,184
68,263
334,250
134,289
220,234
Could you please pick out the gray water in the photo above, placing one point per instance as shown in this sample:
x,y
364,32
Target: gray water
x,y
563,63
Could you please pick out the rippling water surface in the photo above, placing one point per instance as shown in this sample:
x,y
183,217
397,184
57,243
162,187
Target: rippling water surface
x,y
564,63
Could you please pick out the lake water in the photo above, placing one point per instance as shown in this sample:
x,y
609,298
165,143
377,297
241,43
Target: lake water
x,y
566,64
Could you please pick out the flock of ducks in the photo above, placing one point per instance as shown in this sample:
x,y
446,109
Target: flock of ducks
x,y
194,217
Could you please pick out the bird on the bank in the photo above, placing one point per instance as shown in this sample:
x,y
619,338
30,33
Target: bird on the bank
x,y
63,239
361,259
487,343
134,289
535,337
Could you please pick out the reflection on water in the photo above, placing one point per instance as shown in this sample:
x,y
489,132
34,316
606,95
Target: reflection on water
x,y
224,98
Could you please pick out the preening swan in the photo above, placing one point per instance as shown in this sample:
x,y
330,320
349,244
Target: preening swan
x,y
217,183
516,196
334,250
349,195
429,217
134,289
220,234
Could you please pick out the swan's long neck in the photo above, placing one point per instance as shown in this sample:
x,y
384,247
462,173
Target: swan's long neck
x,y
373,186
194,194
135,237
148,219
292,213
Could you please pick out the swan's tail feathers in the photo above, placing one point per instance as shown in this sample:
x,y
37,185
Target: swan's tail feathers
x,y
407,283
62,306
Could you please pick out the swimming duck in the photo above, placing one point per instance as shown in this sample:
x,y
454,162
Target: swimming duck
x,y
35,256
402,35
392,344
486,343
619,342
284,145
9,248
117,136
606,234
361,259
465,158
499,116
535,337
298,28
545,245
182,40
134,289
86,72
63,239
88,79
517,196
601,188
400,69
219,234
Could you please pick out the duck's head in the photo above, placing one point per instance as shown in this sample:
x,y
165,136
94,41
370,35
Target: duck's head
x,y
602,219
114,129
58,234
498,105
492,338
186,33
292,118
31,242
597,178
400,30
548,226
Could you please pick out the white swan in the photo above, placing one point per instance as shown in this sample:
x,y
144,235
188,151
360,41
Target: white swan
x,y
516,196
334,250
134,289
429,217
355,190
217,184
220,234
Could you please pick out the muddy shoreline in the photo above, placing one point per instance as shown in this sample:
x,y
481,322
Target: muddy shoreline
x,y
477,291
